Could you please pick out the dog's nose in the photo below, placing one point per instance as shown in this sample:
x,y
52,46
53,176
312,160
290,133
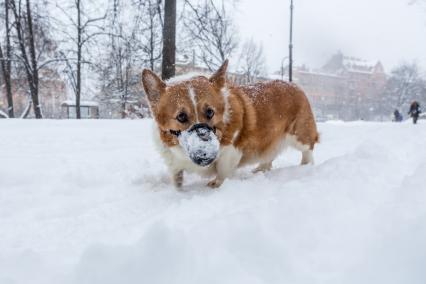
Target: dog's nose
x,y
203,133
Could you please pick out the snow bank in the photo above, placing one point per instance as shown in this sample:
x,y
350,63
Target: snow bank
x,y
90,202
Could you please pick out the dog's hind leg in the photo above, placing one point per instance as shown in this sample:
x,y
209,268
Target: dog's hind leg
x,y
264,167
178,178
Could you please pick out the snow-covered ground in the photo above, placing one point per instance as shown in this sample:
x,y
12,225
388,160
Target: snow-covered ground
x,y
90,202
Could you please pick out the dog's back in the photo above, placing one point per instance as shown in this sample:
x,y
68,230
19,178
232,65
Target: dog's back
x,y
276,114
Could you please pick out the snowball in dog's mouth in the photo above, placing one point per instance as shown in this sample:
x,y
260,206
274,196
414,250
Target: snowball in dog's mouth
x,y
200,143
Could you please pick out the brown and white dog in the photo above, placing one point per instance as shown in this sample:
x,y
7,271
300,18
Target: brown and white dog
x,y
253,123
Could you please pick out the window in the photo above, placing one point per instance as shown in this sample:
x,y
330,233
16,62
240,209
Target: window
x,y
72,113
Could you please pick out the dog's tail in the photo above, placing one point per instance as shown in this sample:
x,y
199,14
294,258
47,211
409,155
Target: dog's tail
x,y
318,138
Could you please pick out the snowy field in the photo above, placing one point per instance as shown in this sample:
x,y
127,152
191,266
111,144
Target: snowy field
x,y
88,202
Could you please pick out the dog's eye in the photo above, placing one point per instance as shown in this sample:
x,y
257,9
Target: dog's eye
x,y
209,113
182,117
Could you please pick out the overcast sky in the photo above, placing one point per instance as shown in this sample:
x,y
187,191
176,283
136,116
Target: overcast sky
x,y
388,30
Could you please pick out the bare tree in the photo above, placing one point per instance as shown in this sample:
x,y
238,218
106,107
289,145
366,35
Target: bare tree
x,y
29,35
210,30
120,57
26,41
404,85
134,41
252,61
149,26
117,72
6,61
85,29
79,59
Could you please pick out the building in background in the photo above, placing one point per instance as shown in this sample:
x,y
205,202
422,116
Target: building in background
x,y
88,109
344,88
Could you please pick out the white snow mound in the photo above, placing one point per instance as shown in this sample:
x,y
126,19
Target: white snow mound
x,y
91,202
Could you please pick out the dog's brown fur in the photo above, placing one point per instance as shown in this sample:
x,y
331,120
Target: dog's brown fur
x,y
257,120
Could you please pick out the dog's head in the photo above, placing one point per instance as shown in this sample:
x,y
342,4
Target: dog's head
x,y
195,106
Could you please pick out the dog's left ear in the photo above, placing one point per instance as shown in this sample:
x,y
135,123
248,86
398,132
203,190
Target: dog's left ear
x,y
153,86
219,78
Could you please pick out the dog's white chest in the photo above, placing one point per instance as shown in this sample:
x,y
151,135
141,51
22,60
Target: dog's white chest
x,y
177,160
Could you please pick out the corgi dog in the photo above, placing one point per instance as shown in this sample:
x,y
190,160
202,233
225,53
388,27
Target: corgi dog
x,y
253,124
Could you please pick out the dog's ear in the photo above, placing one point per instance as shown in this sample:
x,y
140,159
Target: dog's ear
x,y
152,85
219,78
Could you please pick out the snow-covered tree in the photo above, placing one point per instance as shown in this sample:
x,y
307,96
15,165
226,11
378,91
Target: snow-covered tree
x,y
84,22
33,49
133,42
211,32
26,37
251,63
403,86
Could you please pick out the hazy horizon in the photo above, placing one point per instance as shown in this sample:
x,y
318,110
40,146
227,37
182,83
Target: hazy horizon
x,y
391,31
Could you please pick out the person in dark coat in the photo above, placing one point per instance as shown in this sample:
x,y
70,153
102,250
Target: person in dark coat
x,y
415,111
397,116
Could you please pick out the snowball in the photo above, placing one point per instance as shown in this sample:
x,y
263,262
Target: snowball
x,y
201,151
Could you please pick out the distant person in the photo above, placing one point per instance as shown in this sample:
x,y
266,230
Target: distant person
x,y
415,111
397,116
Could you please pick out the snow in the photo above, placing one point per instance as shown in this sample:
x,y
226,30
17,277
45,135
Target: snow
x,y
353,61
3,114
207,149
91,202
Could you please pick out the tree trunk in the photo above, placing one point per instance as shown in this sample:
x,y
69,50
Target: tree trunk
x,y
34,67
6,76
169,40
123,108
7,65
79,47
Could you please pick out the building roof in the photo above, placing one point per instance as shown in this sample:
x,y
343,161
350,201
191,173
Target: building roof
x,y
341,63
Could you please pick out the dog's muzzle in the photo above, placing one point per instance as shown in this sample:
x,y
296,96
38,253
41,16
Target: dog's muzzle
x,y
203,131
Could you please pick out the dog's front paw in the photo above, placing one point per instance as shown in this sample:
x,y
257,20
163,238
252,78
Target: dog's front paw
x,y
178,179
215,183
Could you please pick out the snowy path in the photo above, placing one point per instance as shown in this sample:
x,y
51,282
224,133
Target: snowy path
x,y
90,202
